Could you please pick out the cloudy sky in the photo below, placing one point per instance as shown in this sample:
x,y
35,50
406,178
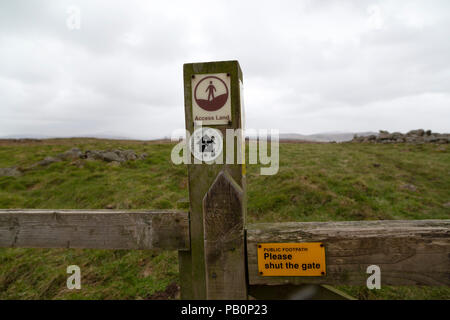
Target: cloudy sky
x,y
309,66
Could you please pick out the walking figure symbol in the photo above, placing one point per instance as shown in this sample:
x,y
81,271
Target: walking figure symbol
x,y
210,89
211,93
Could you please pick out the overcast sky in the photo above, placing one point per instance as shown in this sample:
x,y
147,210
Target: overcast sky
x,y
309,66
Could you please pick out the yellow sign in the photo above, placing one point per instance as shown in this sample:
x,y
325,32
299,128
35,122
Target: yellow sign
x,y
291,259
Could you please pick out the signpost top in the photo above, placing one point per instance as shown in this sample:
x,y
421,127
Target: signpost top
x,y
212,94
213,66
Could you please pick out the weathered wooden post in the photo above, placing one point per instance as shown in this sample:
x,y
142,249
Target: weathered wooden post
x,y
215,267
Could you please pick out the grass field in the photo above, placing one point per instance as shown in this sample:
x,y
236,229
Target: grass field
x,y
316,182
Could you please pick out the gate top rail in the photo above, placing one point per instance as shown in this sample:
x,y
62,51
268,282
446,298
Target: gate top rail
x,y
95,229
409,252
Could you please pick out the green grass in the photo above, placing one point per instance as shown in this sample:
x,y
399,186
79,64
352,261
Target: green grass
x,y
316,182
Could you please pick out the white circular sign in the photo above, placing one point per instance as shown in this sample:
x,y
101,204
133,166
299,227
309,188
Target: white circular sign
x,y
211,93
206,144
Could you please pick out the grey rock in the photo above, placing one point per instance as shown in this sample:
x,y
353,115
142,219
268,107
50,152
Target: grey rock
x,y
114,164
385,136
129,155
78,163
71,154
93,155
431,138
418,132
409,187
10,172
47,161
110,156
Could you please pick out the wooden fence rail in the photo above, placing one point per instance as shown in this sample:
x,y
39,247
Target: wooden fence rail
x,y
408,252
99,229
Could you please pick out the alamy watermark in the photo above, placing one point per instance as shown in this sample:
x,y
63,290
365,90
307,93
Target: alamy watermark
x,y
74,281
73,21
206,146
374,280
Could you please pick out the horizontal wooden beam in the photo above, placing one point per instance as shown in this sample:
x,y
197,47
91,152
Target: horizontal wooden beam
x,y
96,229
412,252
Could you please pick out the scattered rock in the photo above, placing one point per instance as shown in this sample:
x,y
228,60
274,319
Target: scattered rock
x,y
114,164
111,156
418,132
447,205
129,155
376,165
76,156
92,155
78,163
409,187
414,136
71,154
46,161
110,206
10,172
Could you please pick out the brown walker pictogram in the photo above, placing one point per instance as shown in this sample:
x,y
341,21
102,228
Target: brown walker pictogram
x,y
207,99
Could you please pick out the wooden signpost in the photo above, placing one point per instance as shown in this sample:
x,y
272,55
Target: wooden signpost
x,y
215,266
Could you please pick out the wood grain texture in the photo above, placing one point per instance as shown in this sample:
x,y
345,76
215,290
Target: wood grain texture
x,y
412,252
201,176
224,240
99,229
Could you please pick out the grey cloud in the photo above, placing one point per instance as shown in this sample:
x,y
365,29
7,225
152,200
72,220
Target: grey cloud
x,y
308,66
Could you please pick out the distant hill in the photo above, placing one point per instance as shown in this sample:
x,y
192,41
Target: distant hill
x,y
324,137
25,136
108,136
318,137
